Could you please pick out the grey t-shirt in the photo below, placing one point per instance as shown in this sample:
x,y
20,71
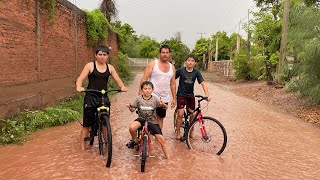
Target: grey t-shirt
x,y
147,108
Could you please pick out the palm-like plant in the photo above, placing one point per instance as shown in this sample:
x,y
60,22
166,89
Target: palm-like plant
x,y
108,8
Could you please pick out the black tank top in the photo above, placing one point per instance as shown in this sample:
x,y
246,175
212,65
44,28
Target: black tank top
x,y
97,80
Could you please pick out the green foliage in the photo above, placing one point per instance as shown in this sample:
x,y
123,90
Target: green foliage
x,y
14,130
124,71
201,47
223,45
248,69
149,48
304,39
97,26
129,42
51,6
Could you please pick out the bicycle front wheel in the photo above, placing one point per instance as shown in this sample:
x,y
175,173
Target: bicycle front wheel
x,y
211,138
144,153
108,141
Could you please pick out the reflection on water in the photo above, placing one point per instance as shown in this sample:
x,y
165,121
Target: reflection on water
x,y
262,144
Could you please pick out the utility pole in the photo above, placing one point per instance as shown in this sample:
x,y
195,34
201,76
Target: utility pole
x,y
283,45
238,38
217,47
201,34
248,33
210,57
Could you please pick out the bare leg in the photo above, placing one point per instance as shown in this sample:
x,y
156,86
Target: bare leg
x,y
132,129
84,133
163,144
160,121
178,123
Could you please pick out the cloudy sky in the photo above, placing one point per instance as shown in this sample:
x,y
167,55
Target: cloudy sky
x,y
162,19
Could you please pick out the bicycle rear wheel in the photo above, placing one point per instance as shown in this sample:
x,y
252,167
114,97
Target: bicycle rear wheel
x,y
144,153
213,141
108,141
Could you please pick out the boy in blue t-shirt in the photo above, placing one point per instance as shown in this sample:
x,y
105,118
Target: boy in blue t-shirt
x,y
185,96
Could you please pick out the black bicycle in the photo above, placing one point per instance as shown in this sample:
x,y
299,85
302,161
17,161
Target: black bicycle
x,y
102,119
203,133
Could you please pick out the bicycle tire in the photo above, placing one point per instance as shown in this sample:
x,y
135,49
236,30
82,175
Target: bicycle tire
x,y
144,153
175,120
105,118
217,137
93,131
100,140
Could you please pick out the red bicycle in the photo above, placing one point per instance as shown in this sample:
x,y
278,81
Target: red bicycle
x,y
203,133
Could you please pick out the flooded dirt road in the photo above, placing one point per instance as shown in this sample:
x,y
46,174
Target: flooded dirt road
x,y
263,143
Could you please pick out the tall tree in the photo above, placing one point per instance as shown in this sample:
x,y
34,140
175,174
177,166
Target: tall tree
x,y
108,8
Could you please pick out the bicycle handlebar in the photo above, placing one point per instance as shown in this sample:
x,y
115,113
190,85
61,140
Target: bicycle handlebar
x,y
201,98
102,91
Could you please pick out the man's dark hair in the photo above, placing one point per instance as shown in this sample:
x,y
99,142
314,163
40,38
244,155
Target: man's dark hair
x,y
102,48
164,47
191,56
146,83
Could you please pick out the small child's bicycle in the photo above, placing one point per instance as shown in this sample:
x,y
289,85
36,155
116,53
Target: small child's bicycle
x,y
203,133
102,119
144,141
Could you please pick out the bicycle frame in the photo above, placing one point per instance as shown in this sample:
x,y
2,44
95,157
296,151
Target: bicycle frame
x,y
198,116
144,132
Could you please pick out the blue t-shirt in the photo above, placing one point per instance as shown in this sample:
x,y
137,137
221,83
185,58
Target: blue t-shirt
x,y
186,81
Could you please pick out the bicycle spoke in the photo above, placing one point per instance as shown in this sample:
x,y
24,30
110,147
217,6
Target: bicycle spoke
x,y
213,141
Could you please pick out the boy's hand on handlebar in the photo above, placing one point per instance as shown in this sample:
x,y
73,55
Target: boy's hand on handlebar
x,y
80,89
124,89
208,98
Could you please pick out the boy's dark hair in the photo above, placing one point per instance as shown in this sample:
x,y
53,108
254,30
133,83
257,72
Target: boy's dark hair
x,y
164,47
191,56
146,83
102,48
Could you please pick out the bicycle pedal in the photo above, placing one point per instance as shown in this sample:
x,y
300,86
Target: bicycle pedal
x,y
152,156
136,155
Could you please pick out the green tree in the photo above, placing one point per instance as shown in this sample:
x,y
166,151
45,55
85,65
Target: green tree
x,y
224,50
149,47
201,47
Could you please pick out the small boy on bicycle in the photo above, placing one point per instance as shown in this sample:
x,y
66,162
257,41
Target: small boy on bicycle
x,y
152,102
185,96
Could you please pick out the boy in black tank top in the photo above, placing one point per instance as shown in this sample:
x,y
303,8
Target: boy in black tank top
x,y
98,73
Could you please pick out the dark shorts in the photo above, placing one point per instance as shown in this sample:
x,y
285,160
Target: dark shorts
x,y
90,105
186,100
161,112
153,128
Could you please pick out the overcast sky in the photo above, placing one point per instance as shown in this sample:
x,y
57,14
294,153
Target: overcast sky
x,y
162,19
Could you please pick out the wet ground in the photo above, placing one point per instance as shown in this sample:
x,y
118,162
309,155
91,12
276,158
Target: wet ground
x,y
263,143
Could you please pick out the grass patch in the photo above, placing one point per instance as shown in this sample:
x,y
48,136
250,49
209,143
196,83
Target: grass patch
x,y
14,130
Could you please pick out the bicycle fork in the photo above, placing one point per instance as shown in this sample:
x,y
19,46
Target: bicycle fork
x,y
202,127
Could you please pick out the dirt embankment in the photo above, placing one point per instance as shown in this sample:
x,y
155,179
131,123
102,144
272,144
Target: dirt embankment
x,y
270,94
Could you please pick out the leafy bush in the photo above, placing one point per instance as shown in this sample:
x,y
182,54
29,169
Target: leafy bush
x,y
97,26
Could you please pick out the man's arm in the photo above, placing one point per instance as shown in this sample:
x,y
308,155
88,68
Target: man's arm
x,y
116,78
173,87
146,74
83,75
205,89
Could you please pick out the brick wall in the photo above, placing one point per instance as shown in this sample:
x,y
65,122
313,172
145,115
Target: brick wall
x,y
40,61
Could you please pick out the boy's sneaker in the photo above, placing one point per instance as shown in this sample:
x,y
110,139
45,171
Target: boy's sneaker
x,y
131,144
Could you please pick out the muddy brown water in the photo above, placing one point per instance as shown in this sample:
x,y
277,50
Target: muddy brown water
x,y
263,143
